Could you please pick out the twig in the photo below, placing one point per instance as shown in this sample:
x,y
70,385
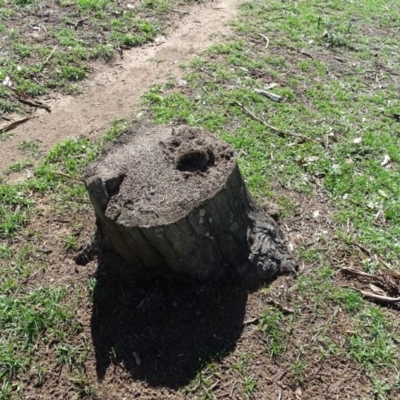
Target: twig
x,y
14,124
281,375
179,12
26,100
251,321
377,297
273,128
67,176
280,306
362,248
360,273
263,36
307,54
214,386
80,22
49,56
207,72
34,103
394,116
269,95
233,388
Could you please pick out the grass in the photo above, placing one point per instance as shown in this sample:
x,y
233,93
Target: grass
x,y
39,58
30,320
319,58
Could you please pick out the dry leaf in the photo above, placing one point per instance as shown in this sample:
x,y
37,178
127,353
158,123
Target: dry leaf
x,y
377,289
7,81
382,193
386,160
270,86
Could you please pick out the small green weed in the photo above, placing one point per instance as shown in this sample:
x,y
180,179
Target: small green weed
x,y
19,166
373,343
70,242
276,337
30,147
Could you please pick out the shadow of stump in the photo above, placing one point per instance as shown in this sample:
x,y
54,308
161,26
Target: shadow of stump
x,y
161,331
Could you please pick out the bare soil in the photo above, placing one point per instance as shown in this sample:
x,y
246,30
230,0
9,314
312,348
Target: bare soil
x,y
149,339
115,89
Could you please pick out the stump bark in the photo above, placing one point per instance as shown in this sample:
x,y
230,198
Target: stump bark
x,y
171,202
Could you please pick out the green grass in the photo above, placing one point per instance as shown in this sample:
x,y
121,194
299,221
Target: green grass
x,y
30,320
318,58
38,59
332,112
276,336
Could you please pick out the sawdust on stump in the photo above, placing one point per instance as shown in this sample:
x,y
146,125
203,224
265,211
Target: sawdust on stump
x,y
171,201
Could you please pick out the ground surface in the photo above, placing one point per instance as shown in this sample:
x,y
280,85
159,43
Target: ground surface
x,y
323,160
115,87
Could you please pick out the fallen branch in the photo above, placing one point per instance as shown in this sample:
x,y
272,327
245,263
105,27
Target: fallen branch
x,y
377,297
360,273
273,128
26,100
33,103
13,125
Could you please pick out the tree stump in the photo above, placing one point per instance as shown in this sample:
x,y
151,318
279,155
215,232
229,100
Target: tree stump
x,y
171,202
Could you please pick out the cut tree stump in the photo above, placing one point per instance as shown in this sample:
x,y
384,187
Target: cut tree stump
x,y
171,202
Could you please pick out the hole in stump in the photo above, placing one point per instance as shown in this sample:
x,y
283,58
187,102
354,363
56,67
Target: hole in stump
x,y
195,160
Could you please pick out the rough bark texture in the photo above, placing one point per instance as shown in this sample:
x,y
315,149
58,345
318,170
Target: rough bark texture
x,y
171,201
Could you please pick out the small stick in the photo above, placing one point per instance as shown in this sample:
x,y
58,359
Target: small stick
x,y
48,58
251,321
377,297
14,124
360,273
233,388
273,128
179,12
362,248
34,103
263,36
81,21
307,54
271,96
280,306
281,375
67,176
207,72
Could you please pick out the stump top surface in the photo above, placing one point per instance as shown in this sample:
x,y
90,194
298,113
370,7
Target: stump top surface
x,y
157,174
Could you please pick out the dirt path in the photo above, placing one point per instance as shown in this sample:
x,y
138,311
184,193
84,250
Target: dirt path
x,y
115,89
